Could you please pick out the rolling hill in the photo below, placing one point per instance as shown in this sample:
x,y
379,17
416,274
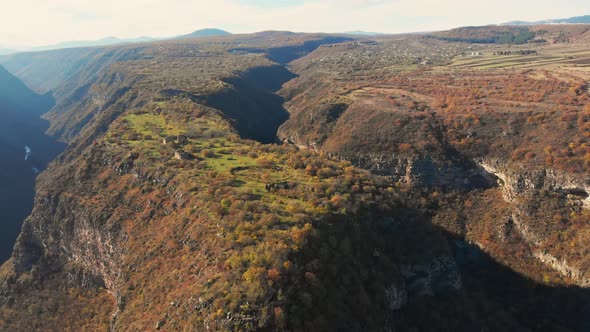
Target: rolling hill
x,y
205,33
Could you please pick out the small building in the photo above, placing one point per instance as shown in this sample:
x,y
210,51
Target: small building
x,y
181,140
168,140
182,155
271,187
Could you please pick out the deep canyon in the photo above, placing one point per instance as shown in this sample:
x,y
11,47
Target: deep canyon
x,y
302,182
25,150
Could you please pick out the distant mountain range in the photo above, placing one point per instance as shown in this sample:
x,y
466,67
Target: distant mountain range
x,y
88,43
572,20
4,51
74,44
114,41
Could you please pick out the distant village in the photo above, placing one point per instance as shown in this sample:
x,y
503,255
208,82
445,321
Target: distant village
x,y
506,53
517,52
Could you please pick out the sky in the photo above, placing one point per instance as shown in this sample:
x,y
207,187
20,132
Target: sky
x,y
44,22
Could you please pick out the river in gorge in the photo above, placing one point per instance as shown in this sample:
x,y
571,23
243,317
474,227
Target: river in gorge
x,y
25,150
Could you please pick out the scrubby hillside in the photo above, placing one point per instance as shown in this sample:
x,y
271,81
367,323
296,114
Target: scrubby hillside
x,y
456,119
159,216
174,210
200,241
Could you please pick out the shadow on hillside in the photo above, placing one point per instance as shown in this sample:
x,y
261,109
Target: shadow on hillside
x,y
495,298
252,105
287,54
355,261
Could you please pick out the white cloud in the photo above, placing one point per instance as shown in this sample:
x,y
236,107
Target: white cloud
x,y
41,22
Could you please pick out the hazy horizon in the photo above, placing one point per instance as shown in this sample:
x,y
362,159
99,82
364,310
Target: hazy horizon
x,y
33,23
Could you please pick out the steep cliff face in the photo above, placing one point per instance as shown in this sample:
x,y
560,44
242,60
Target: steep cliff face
x,y
516,181
548,209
